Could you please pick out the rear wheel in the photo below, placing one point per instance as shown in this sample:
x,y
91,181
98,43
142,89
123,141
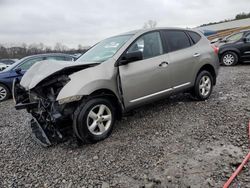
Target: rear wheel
x,y
229,59
94,120
203,85
4,92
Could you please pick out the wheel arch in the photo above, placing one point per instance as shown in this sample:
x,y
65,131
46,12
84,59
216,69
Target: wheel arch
x,y
6,85
235,50
9,94
110,95
209,68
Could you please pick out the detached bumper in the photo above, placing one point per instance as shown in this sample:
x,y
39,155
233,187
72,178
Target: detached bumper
x,y
39,134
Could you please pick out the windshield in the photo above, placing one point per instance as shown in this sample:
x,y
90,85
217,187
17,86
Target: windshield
x,y
104,49
13,65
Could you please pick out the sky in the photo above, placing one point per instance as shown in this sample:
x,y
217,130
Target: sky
x,y
85,22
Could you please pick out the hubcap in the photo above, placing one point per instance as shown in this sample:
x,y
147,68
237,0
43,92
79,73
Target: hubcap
x,y
228,59
99,119
205,86
3,93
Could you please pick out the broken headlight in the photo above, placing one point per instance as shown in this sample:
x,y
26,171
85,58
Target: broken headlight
x,y
70,99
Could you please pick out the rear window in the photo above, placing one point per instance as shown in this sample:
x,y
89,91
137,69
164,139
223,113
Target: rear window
x,y
177,40
234,37
194,36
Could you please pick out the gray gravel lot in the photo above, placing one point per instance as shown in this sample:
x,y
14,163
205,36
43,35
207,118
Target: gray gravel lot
x,y
177,142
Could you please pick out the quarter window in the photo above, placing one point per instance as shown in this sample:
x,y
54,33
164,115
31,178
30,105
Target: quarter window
x,y
194,36
177,40
149,44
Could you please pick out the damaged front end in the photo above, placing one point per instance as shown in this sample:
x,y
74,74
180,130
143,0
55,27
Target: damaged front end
x,y
51,122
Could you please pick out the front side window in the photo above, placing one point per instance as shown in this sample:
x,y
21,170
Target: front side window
x,y
177,40
248,37
26,65
235,37
149,44
104,50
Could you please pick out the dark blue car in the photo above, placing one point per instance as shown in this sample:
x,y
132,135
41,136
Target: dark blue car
x,y
18,69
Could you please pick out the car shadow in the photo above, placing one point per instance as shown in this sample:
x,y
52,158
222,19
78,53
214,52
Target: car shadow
x,y
136,114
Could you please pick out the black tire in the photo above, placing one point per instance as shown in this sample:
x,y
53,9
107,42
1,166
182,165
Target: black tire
x,y
229,58
4,93
81,118
197,91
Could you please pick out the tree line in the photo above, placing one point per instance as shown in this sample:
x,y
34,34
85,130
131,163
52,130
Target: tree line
x,y
239,16
17,52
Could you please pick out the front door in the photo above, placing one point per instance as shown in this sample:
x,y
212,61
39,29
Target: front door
x,y
245,48
146,79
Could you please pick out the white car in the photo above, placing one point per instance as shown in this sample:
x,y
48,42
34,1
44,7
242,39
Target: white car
x,y
3,66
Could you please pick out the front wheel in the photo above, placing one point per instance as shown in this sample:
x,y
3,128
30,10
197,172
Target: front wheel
x,y
203,85
94,120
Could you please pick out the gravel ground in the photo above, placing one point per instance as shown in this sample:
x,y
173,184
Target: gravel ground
x,y
177,142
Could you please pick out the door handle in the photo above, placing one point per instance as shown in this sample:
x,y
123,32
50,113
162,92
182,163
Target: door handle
x,y
163,64
196,55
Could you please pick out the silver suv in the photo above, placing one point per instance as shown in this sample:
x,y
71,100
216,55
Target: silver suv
x,y
115,76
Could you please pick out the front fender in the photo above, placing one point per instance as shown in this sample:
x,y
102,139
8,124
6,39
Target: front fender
x,y
87,81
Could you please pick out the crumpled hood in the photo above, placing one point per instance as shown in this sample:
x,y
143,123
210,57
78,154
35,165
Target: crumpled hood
x,y
42,70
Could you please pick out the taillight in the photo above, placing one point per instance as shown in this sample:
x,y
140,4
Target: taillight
x,y
216,49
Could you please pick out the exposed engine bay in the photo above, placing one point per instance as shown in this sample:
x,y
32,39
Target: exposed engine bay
x,y
51,122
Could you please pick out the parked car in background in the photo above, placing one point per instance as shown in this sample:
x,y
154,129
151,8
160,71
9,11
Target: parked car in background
x,y
3,66
235,48
18,69
8,61
116,75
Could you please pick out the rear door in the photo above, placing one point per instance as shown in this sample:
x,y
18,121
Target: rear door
x,y
146,79
183,54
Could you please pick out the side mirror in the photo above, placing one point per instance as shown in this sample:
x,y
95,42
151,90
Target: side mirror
x,y
244,40
131,57
18,70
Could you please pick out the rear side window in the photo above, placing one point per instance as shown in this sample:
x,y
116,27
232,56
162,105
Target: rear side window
x,y
177,40
194,36
248,37
69,59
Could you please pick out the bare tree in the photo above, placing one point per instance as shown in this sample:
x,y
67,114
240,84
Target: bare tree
x,y
13,51
60,47
150,24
